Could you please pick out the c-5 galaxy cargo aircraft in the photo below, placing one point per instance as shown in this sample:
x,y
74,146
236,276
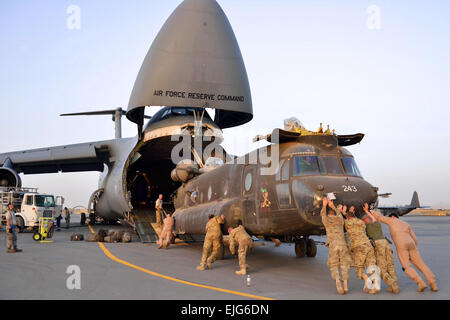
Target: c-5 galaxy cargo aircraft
x,y
195,64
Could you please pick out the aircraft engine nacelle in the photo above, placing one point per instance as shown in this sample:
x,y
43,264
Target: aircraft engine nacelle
x,y
184,171
9,178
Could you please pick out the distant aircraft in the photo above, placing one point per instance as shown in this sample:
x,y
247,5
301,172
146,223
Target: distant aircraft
x,y
402,210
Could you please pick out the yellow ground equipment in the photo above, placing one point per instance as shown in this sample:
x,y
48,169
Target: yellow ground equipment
x,y
45,230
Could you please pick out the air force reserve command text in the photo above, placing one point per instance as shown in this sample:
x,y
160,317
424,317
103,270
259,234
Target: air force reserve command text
x,y
227,310
197,96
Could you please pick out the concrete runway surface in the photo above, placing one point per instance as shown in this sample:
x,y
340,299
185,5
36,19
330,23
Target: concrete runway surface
x,y
141,271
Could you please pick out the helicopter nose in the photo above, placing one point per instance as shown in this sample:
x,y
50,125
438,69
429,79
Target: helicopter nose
x,y
347,191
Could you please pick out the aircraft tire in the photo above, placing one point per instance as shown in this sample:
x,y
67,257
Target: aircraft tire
x,y
300,248
311,248
20,224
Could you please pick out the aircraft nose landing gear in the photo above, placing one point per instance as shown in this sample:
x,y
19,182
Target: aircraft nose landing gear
x,y
305,247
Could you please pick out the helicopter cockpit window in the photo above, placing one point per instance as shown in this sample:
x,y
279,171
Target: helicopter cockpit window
x,y
278,174
286,170
350,167
332,165
345,152
304,165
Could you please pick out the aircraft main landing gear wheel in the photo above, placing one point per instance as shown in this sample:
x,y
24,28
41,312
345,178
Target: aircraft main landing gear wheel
x,y
36,237
300,248
311,248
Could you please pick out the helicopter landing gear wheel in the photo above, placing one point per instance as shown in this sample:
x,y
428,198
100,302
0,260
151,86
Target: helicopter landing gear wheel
x,y
311,248
300,248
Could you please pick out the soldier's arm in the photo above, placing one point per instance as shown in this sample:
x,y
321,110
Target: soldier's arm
x,y
338,211
380,217
323,212
366,210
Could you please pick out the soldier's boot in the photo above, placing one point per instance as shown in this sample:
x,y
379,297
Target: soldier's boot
x,y
339,288
241,272
11,251
18,250
366,280
208,264
373,291
201,267
434,287
421,286
394,288
345,282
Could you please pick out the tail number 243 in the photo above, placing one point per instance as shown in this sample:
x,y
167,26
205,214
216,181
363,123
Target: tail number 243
x,y
349,188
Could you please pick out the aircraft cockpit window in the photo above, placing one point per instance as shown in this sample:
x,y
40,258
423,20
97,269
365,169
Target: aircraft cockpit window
x,y
168,112
304,165
350,167
332,165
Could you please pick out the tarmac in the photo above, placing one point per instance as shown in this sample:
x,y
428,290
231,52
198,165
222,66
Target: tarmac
x,y
141,271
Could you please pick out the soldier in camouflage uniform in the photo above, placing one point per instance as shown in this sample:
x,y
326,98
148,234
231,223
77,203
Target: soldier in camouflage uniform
x,y
360,245
240,236
383,251
212,244
166,234
339,256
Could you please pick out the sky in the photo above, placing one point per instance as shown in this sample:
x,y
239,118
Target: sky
x,y
376,67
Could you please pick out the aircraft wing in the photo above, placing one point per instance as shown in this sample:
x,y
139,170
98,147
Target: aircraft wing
x,y
89,156
392,208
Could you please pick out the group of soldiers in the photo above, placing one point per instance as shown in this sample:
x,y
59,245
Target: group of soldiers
x,y
213,238
370,249
352,241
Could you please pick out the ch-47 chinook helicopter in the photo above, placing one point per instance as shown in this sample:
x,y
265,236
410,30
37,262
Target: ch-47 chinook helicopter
x,y
284,203
195,64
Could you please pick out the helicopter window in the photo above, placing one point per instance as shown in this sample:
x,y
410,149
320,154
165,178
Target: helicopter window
x,y
350,167
306,165
225,188
284,195
345,152
285,170
332,164
248,181
209,193
278,174
194,196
